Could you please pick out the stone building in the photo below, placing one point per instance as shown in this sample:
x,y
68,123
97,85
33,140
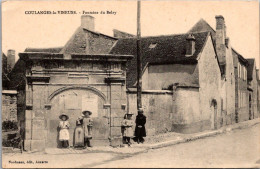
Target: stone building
x,y
234,83
181,80
82,75
252,88
242,103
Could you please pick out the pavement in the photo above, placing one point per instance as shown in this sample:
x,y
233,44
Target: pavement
x,y
152,142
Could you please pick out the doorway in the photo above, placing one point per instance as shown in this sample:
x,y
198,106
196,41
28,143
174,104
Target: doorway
x,y
214,109
72,102
250,106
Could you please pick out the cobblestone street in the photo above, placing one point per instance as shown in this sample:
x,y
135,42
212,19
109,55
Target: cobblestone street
x,y
237,148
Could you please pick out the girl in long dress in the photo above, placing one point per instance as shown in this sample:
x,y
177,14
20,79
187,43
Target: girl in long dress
x,y
127,125
87,123
64,131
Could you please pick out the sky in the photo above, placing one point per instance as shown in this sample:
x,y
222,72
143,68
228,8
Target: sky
x,y
20,30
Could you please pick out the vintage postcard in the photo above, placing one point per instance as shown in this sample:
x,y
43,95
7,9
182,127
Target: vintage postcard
x,y
108,84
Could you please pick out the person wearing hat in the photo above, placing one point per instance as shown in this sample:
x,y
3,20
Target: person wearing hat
x,y
87,124
127,127
64,135
140,126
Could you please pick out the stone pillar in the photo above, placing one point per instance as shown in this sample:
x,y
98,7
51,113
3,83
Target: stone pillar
x,y
35,123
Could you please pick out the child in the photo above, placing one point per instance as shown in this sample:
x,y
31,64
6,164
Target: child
x,y
64,131
123,129
87,122
127,125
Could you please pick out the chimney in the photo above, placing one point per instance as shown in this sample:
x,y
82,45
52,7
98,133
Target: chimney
x,y
190,45
88,22
220,29
10,59
222,42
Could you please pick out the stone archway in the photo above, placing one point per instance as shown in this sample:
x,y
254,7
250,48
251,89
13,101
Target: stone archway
x,y
72,101
92,89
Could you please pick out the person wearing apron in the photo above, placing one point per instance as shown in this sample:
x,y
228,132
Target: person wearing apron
x,y
64,135
78,135
87,124
127,125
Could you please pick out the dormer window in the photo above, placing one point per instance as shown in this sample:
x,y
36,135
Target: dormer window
x,y
152,45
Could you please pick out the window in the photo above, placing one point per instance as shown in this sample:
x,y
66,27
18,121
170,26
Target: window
x,y
222,106
242,77
238,70
245,75
239,99
242,99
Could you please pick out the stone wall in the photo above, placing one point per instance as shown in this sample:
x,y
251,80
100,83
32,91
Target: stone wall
x,y
9,105
158,108
166,111
187,117
165,75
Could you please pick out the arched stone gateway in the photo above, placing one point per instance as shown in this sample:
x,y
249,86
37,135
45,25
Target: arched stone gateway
x,y
72,101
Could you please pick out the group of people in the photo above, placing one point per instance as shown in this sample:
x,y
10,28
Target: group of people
x,y
84,124
127,128
83,131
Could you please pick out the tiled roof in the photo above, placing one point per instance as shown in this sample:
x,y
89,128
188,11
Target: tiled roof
x,y
78,43
98,44
240,57
158,50
17,76
250,68
203,26
47,50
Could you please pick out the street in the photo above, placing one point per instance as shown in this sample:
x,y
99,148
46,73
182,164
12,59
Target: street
x,y
237,148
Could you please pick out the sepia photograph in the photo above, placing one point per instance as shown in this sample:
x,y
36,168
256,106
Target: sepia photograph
x,y
130,84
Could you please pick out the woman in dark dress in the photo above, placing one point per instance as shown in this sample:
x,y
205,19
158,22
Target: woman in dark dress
x,y
140,131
